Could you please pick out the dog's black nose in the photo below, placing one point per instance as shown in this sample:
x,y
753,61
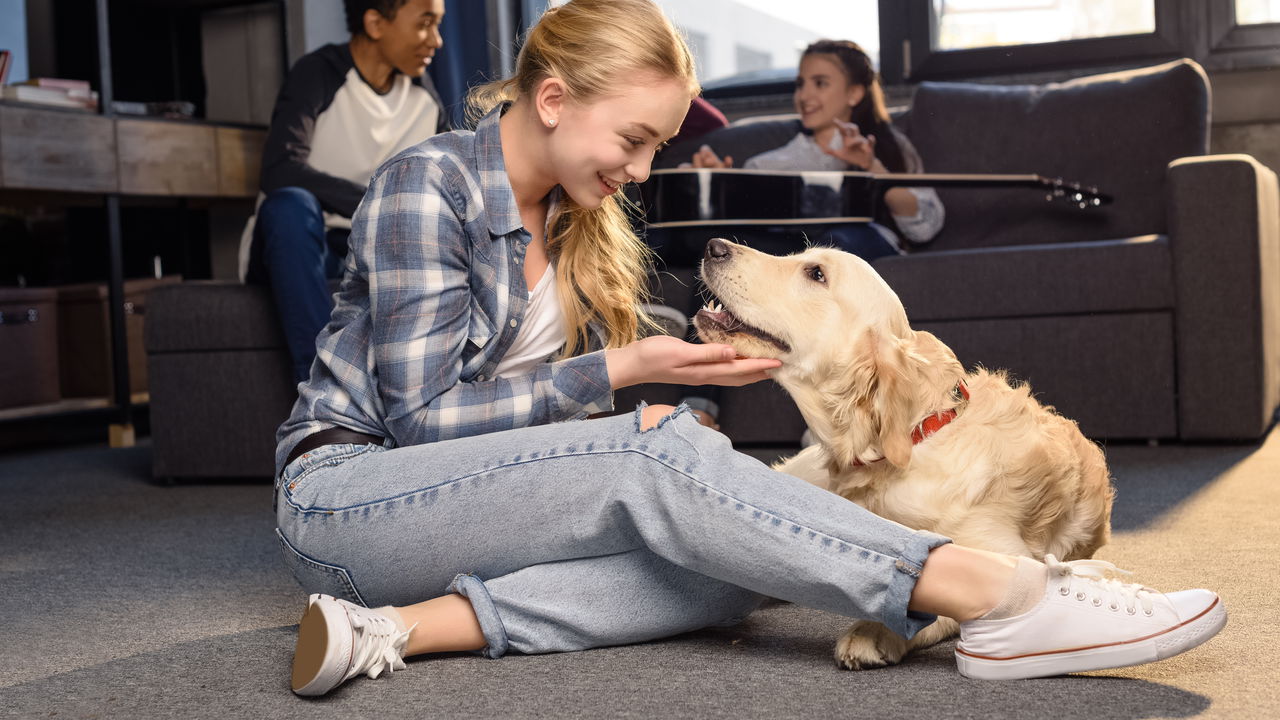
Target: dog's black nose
x,y
717,249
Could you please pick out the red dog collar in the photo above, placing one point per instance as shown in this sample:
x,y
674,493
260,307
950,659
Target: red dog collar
x,y
931,424
936,422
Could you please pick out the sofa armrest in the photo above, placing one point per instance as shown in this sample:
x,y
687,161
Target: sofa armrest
x,y
1224,233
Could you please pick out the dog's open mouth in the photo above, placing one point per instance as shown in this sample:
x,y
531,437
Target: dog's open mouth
x,y
715,314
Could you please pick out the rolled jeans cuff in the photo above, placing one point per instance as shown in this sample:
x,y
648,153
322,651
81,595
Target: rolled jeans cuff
x,y
495,634
910,564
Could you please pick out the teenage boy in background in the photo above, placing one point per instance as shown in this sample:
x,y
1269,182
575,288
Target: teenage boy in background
x,y
343,110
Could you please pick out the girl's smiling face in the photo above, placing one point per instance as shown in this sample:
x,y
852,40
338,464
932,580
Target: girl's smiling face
x,y
598,145
823,92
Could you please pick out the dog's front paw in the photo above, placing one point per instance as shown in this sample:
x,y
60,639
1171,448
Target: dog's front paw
x,y
869,645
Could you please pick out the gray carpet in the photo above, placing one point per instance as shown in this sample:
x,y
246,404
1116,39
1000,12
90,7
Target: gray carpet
x,y
125,599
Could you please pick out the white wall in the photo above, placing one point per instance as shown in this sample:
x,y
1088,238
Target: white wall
x,y
313,23
726,23
13,37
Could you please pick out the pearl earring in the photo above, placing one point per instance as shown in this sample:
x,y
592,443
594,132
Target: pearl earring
x,y
551,123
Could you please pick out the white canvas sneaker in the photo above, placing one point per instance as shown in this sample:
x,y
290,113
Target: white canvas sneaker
x,y
338,640
1088,620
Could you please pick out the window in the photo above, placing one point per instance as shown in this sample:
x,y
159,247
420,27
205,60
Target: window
x,y
1257,12
952,39
1242,34
990,23
945,39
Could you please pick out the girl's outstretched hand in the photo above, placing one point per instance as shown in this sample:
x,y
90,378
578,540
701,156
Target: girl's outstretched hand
x,y
854,148
666,359
707,158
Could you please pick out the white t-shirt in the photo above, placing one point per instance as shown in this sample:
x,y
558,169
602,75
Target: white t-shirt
x,y
542,332
360,129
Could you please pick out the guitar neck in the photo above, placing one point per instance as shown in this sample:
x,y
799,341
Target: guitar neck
x,y
1052,186
957,180
705,196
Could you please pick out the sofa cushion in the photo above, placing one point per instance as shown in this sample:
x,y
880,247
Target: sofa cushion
x,y
1113,373
1117,131
214,414
1034,280
212,315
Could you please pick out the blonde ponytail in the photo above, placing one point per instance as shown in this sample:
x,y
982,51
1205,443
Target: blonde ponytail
x,y
483,98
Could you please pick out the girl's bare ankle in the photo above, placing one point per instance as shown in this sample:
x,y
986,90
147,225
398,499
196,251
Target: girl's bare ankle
x,y
1023,590
962,583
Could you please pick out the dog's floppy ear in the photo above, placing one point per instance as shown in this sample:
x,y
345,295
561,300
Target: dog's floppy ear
x,y
894,406
872,399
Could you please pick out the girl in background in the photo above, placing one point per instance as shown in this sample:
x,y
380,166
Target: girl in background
x,y
846,126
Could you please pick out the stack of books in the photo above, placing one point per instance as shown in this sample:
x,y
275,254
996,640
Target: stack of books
x,y
58,92
179,109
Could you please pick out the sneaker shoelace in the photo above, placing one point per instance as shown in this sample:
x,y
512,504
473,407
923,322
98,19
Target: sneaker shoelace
x,y
1096,581
379,644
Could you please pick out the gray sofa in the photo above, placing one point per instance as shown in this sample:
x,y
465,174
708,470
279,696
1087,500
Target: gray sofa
x,y
1156,317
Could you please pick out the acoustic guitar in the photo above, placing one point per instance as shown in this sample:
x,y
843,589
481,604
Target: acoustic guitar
x,y
692,197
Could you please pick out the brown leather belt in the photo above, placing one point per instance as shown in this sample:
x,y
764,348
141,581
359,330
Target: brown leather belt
x,y
332,436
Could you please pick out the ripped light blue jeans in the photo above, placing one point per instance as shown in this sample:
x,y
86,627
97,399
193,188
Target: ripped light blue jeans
x,y
586,534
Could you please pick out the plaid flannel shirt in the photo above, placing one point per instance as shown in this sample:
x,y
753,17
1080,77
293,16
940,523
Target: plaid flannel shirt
x,y
431,298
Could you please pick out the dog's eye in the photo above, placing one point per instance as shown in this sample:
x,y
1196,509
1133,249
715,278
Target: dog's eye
x,y
815,273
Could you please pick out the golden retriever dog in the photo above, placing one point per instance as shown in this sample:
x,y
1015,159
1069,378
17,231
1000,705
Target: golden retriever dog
x,y
901,428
